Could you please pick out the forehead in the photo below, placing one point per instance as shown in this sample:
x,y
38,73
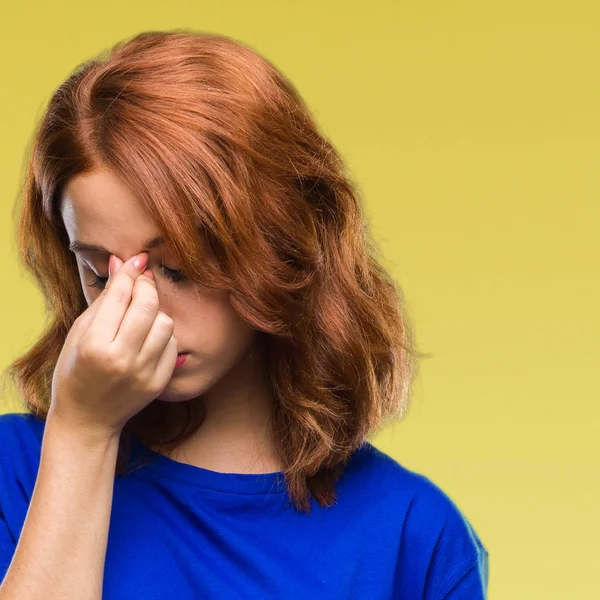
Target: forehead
x,y
99,209
99,201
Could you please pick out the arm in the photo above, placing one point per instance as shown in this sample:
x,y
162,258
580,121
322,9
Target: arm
x,y
62,547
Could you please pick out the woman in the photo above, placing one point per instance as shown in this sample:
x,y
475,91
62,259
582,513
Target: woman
x,y
223,342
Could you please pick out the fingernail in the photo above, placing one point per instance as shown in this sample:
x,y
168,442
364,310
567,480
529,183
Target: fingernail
x,y
140,261
118,263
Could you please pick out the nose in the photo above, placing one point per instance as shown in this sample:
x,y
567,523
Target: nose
x,y
162,297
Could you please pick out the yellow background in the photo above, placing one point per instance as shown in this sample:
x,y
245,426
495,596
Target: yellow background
x,y
473,128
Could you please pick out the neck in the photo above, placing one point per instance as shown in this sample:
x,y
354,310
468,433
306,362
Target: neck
x,y
235,436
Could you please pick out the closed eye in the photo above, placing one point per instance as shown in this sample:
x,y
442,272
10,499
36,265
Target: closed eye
x,y
170,274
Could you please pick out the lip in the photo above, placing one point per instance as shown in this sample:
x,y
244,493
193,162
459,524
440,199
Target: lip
x,y
181,358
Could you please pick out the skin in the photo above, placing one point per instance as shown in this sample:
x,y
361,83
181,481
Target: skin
x,y
98,208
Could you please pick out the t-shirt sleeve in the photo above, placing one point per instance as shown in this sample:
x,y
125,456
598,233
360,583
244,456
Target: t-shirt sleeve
x,y
472,585
458,568
7,546
441,555
7,543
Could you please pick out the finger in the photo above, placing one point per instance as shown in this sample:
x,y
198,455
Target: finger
x,y
156,340
115,299
163,371
139,318
85,318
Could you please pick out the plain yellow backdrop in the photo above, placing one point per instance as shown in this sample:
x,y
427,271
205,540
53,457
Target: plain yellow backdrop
x,y
473,128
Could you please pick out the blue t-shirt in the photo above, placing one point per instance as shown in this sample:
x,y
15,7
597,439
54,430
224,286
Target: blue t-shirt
x,y
180,531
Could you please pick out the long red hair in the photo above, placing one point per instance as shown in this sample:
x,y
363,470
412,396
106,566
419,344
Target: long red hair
x,y
205,130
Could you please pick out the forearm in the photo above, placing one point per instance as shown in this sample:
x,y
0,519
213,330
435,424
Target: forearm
x,y
62,547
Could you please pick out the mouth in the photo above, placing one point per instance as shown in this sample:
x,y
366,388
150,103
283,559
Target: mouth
x,y
181,359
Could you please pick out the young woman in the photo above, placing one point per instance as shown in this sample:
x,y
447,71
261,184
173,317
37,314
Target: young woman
x,y
222,343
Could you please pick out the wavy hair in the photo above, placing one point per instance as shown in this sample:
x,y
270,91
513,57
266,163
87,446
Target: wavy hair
x,y
205,130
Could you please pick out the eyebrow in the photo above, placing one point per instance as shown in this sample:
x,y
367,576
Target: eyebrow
x,y
79,246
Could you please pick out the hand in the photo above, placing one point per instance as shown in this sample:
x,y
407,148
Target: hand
x,y
118,356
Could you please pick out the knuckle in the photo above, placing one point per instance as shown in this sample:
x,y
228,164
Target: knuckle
x,y
116,363
149,303
140,379
78,322
164,320
154,388
119,292
84,353
147,298
89,350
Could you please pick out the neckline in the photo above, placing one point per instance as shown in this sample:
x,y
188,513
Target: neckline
x,y
162,466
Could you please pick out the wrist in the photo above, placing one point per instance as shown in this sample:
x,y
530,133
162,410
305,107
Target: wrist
x,y
86,435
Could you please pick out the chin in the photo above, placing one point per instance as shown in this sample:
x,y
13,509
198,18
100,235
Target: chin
x,y
177,392
173,399
170,394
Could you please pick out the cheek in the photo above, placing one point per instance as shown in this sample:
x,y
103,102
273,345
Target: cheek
x,y
90,293
209,324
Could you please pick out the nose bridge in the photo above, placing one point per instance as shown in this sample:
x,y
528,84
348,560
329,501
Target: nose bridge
x,y
165,296
163,300
166,305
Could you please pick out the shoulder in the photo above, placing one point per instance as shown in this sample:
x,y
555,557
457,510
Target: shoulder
x,y
14,420
433,533
389,479
20,446
19,430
